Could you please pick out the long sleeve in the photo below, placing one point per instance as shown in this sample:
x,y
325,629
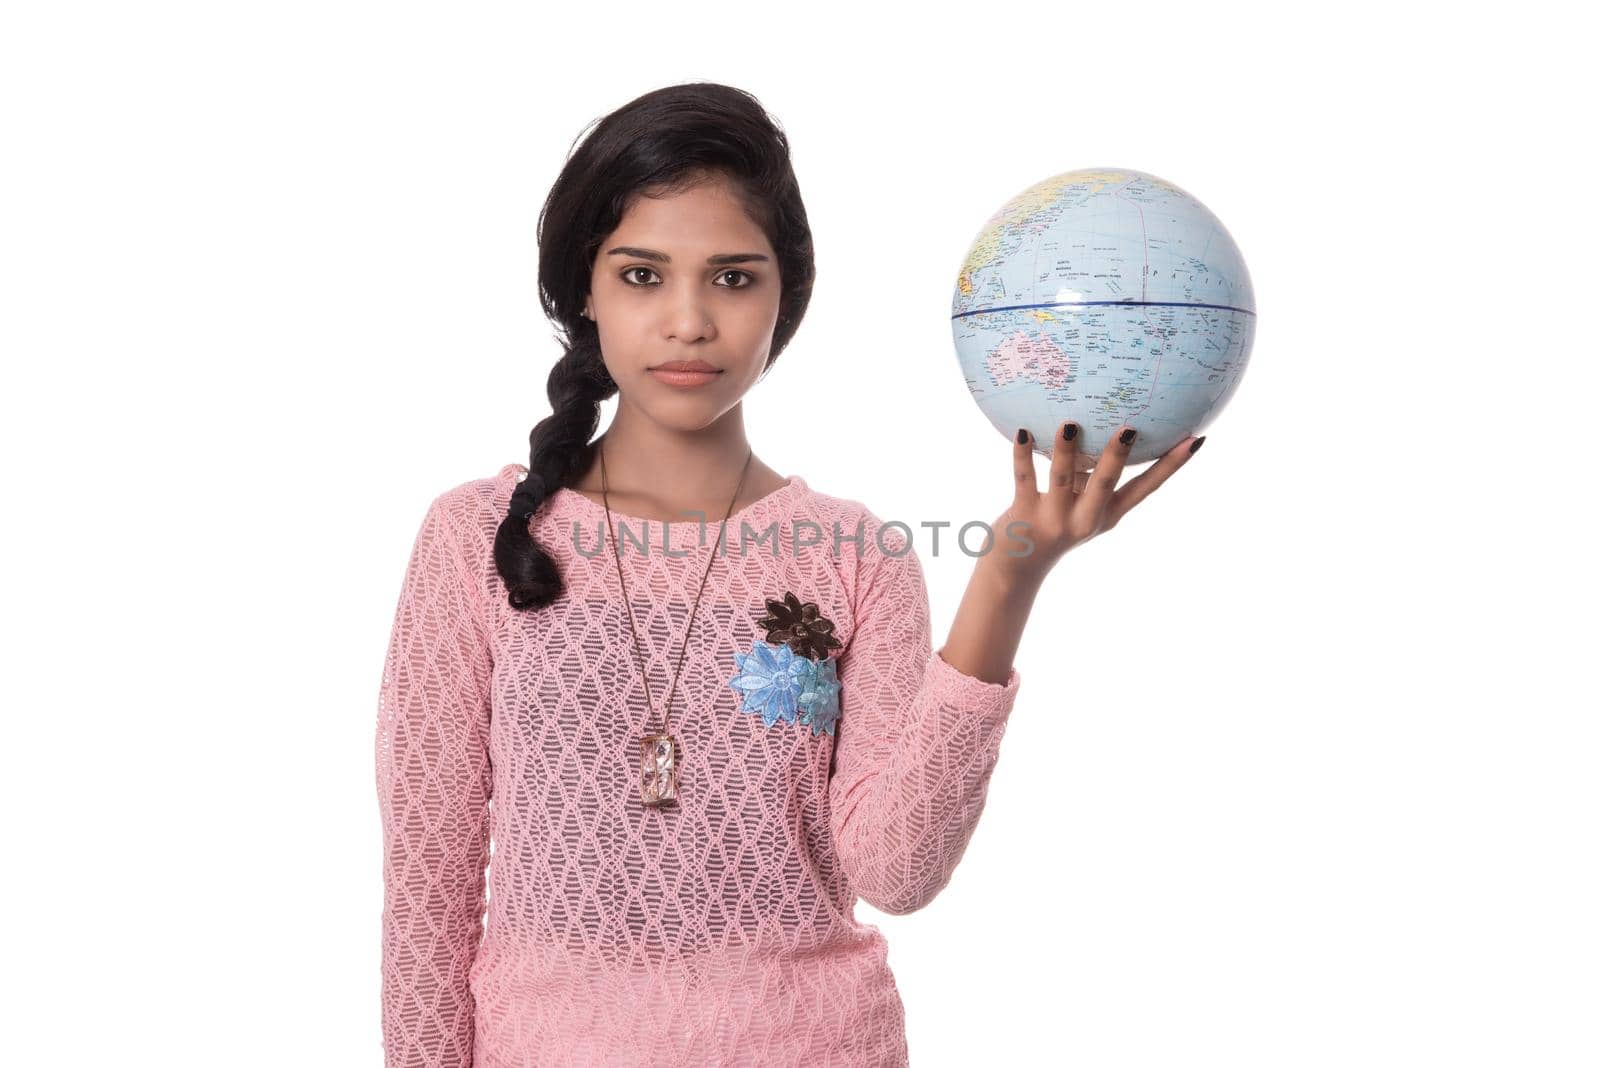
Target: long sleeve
x,y
915,743
433,782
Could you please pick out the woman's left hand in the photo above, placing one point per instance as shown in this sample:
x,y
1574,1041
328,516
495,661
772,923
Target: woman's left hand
x,y
1077,505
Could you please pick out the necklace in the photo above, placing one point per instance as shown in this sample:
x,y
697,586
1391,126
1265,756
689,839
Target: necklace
x,y
659,753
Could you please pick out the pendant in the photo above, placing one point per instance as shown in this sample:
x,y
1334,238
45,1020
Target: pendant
x,y
658,770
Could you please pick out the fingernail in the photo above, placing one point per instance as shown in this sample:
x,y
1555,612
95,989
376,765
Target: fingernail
x,y
1127,436
1199,441
1022,436
1069,431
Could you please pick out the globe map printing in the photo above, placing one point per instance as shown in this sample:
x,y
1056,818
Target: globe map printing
x,y
1107,297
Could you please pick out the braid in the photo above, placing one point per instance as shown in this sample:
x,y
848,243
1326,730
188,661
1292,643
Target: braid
x,y
559,450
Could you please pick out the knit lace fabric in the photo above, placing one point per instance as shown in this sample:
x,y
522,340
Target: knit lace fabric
x,y
722,932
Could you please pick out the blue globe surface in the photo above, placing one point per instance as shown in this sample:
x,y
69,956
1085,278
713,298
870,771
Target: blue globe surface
x,y
1104,296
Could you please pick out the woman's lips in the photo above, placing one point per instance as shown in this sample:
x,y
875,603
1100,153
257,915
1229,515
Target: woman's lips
x,y
683,378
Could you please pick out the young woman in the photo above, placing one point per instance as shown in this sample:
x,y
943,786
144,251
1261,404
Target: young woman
x,y
702,696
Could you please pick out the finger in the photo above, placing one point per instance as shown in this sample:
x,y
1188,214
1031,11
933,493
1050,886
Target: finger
x,y
1022,467
1103,481
1064,461
1145,483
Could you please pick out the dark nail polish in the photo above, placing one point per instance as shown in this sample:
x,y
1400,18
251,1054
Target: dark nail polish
x,y
1127,436
1022,436
1199,441
1069,431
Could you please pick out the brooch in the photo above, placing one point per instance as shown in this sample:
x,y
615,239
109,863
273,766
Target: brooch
x,y
790,676
802,627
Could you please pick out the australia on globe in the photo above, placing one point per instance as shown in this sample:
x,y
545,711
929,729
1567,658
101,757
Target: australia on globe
x,y
1106,297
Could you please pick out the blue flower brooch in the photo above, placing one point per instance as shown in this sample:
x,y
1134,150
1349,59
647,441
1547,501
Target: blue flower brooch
x,y
790,675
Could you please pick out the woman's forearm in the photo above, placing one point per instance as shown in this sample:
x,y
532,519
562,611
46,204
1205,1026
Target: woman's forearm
x,y
988,625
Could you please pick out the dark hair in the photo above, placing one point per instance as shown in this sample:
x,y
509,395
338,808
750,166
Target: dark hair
x,y
664,141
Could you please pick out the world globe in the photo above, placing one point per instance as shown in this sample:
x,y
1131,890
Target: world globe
x,y
1106,297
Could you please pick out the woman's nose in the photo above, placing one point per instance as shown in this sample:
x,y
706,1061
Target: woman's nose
x,y
689,320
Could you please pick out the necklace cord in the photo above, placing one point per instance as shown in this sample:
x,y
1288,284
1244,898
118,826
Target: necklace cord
x,y
666,721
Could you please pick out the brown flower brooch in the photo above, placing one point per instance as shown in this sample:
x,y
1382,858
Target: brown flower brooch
x,y
802,627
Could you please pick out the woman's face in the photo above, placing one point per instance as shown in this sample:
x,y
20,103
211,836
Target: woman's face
x,y
691,277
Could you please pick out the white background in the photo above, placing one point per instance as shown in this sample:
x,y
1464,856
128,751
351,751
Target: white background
x,y
1303,767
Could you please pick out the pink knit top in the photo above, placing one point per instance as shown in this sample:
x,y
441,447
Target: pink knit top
x,y
721,932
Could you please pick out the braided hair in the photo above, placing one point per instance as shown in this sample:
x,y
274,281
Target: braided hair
x,y
662,142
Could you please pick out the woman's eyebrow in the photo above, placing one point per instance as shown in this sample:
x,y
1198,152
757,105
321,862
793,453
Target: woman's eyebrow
x,y
662,257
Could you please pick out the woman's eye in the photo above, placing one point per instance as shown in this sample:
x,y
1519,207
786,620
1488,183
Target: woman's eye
x,y
750,279
631,270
